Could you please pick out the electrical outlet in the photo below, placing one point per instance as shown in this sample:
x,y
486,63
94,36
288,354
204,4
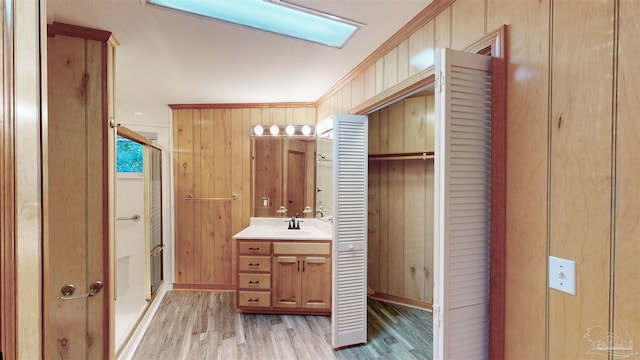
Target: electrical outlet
x,y
562,275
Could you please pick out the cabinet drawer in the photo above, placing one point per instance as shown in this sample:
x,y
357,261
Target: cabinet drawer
x,y
255,263
254,248
302,248
255,281
254,298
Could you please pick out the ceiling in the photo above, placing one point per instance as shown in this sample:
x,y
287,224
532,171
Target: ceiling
x,y
166,57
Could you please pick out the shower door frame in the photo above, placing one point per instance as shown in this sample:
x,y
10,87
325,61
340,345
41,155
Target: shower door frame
x,y
127,133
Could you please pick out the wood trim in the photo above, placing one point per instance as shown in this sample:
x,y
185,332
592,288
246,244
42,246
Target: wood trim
x,y
78,31
244,105
8,306
493,41
423,17
498,257
108,204
200,287
401,90
283,311
402,301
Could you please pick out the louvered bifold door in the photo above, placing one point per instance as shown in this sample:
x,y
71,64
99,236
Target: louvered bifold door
x,y
462,189
349,299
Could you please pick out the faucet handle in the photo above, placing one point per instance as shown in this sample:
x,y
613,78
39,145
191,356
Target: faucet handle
x,y
281,210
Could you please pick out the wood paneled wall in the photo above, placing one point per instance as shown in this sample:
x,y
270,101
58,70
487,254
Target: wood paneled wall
x,y
400,233
572,144
212,159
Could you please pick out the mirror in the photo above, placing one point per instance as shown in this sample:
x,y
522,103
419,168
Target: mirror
x,y
324,175
283,176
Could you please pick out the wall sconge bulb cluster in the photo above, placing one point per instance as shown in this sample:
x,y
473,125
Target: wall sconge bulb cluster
x,y
283,130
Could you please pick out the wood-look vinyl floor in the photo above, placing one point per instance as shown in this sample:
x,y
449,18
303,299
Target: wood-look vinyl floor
x,y
204,325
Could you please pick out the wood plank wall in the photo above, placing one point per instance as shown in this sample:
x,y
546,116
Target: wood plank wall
x,y
572,145
212,158
400,227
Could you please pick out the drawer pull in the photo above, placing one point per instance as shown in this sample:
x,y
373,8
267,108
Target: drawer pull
x,y
252,264
254,300
254,249
253,282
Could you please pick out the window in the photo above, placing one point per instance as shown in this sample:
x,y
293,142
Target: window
x,y
128,156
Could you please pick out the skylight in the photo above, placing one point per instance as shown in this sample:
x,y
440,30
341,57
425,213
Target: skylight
x,y
272,16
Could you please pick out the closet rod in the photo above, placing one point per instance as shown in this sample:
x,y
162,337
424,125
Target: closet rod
x,y
400,157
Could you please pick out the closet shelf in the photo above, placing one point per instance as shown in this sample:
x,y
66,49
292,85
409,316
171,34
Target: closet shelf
x,y
416,155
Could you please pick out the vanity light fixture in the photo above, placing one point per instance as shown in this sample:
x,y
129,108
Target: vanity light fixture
x,y
257,130
275,16
307,131
289,130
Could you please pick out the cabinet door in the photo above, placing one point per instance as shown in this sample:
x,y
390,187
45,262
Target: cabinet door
x,y
316,282
286,281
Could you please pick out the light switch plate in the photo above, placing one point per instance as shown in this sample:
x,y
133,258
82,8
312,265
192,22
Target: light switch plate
x,y
562,275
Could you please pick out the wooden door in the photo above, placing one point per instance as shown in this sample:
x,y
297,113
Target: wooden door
x,y
316,282
296,182
286,275
77,209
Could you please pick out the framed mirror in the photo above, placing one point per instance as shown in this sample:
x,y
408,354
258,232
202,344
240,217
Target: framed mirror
x,y
283,176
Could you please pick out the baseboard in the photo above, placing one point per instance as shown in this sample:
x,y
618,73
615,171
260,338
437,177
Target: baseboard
x,y
131,345
202,287
402,301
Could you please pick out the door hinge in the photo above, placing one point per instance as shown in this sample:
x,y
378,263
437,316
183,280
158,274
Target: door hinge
x,y
439,81
437,315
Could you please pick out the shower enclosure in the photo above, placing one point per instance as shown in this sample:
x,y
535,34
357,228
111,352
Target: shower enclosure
x,y
139,242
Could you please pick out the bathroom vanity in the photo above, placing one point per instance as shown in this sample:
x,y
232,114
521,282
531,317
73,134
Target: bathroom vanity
x,y
281,270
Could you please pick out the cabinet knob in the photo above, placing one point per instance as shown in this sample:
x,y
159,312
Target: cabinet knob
x,y
252,264
254,300
254,282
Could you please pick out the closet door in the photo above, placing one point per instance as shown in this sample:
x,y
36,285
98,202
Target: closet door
x,y
349,255
462,205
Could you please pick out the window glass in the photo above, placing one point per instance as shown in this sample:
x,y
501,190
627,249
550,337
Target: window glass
x,y
129,156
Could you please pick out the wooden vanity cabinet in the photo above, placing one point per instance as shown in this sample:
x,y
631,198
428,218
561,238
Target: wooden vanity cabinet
x,y
301,275
254,274
297,279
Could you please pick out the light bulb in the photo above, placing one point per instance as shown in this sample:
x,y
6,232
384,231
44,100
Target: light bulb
x,y
274,130
290,130
306,130
258,130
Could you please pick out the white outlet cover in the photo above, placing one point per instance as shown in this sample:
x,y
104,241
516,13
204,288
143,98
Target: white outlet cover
x,y
562,275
